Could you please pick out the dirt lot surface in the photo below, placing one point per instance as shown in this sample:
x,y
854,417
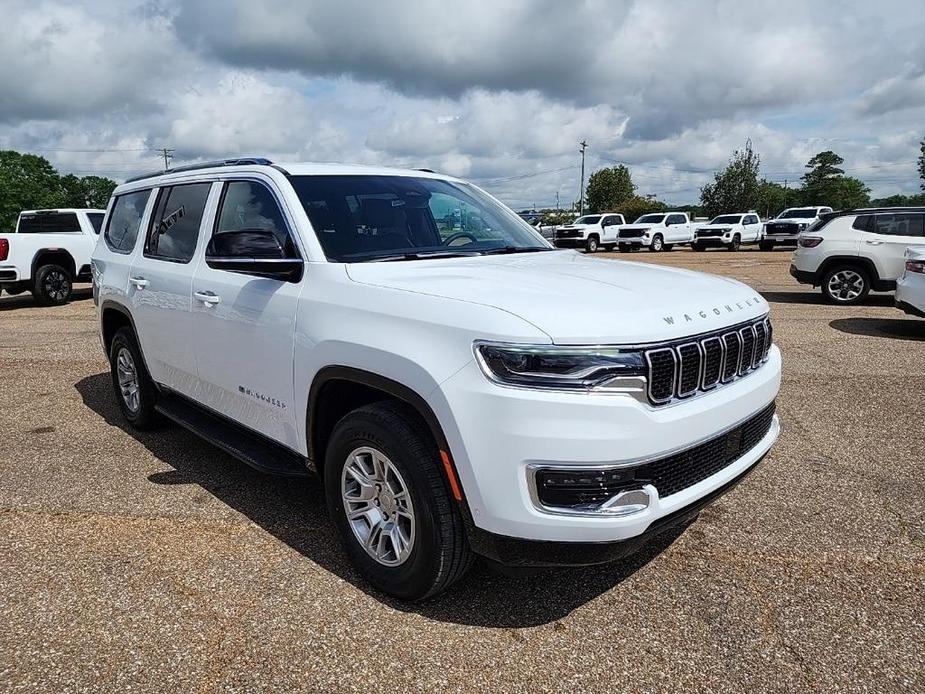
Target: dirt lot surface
x,y
154,563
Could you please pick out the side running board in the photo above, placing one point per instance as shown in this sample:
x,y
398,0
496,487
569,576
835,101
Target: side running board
x,y
247,446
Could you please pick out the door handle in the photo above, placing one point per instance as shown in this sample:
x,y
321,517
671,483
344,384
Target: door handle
x,y
208,298
139,282
873,243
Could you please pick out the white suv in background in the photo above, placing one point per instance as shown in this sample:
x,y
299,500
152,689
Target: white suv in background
x,y
729,231
785,229
657,232
590,232
850,253
420,347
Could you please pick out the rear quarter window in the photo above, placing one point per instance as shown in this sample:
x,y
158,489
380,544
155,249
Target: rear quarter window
x,y
125,221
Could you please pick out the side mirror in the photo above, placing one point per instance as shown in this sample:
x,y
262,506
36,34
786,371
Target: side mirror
x,y
252,252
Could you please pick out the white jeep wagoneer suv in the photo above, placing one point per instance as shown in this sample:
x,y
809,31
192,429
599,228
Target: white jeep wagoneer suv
x,y
416,344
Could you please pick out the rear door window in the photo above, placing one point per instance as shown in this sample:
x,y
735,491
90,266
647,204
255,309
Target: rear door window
x,y
125,221
174,230
49,223
900,224
675,219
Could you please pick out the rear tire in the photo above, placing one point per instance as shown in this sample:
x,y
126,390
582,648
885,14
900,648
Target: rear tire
x,y
766,245
52,286
658,243
846,285
135,391
430,552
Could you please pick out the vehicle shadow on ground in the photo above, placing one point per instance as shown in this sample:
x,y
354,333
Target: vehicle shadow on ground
x,y
293,510
815,297
894,328
25,300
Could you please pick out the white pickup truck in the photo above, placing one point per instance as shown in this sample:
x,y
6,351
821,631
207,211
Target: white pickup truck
x,y
658,232
590,232
48,252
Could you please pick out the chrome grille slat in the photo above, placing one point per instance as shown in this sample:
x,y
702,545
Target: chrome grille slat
x,y
685,367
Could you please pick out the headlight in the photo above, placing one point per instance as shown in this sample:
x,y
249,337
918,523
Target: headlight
x,y
801,227
599,369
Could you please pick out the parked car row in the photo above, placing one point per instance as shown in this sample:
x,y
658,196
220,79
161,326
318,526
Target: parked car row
x,y
663,231
851,253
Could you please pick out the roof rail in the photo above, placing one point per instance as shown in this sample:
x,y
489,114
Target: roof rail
x,y
243,161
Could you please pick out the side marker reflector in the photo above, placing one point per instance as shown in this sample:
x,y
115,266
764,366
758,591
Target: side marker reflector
x,y
451,476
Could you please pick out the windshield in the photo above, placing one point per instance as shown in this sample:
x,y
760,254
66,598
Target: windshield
x,y
727,219
588,219
650,219
798,214
360,218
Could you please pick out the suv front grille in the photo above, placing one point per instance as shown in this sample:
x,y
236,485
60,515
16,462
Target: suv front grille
x,y
585,490
685,367
709,232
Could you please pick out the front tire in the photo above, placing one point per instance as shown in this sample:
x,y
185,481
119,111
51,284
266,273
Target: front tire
x,y
386,493
658,243
591,244
134,389
53,285
697,247
846,285
736,243
766,245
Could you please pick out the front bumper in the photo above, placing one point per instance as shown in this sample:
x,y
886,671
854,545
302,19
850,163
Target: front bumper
x,y
643,240
498,435
712,240
511,551
789,239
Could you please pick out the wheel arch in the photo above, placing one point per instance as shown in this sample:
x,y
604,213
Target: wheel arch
x,y
865,264
56,256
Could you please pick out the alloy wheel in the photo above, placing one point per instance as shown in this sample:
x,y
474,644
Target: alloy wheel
x,y
845,285
56,285
378,505
128,379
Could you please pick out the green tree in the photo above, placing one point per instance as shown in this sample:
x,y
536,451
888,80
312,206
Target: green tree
x,y
922,163
634,207
27,181
826,184
608,188
735,188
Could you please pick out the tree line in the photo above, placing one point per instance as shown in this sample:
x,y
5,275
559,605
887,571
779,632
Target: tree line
x,y
739,187
30,182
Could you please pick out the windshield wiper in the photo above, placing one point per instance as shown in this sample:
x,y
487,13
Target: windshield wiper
x,y
419,255
502,250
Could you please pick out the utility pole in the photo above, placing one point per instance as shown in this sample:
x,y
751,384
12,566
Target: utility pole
x,y
168,155
557,200
581,203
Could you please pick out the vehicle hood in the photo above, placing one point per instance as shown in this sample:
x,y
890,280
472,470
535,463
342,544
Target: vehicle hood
x,y
576,299
576,226
716,226
636,227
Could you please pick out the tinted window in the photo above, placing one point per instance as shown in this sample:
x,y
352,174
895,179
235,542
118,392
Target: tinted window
x,y
250,205
175,225
125,221
751,219
897,224
96,219
675,219
727,219
650,219
588,219
861,222
797,213
49,223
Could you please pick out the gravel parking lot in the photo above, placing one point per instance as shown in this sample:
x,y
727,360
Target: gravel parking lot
x,y
156,563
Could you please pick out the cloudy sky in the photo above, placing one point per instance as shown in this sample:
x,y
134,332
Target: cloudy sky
x,y
498,91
